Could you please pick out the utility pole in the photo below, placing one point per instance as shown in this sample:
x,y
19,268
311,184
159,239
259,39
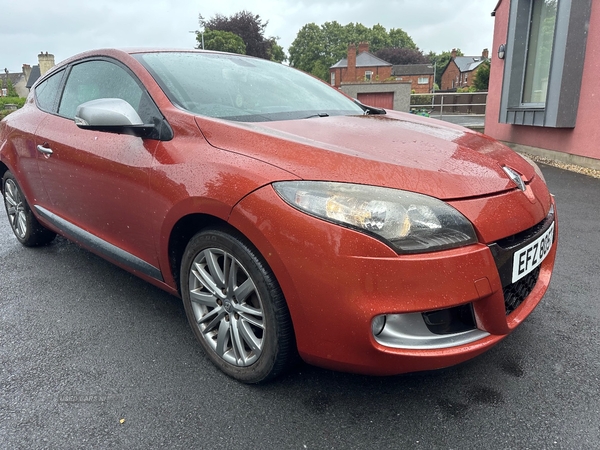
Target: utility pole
x,y
433,86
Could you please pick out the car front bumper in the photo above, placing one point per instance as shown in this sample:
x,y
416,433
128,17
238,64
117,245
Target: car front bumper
x,y
337,281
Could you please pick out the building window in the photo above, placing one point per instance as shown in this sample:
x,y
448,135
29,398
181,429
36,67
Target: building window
x,y
423,80
333,78
545,53
368,75
541,38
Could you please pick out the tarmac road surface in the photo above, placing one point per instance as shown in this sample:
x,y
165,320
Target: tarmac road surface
x,y
92,357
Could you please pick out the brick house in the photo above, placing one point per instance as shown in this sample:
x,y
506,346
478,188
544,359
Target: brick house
x,y
362,67
369,79
460,71
421,76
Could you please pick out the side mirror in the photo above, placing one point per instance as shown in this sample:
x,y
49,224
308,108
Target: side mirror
x,y
112,115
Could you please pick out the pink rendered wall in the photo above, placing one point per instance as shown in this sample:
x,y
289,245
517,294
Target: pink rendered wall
x,y
584,139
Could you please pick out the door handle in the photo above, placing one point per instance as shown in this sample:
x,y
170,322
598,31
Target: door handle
x,y
44,150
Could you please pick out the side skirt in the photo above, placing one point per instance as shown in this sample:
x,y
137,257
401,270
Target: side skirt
x,y
99,246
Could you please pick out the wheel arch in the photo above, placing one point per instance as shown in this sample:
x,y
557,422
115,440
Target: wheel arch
x,y
181,233
185,229
188,226
3,170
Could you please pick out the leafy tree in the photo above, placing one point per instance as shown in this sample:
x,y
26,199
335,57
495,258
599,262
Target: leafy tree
x,y
316,48
402,56
308,49
482,77
276,51
223,41
441,61
400,38
249,27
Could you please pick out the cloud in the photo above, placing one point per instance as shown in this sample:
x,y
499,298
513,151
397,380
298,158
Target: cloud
x,y
71,26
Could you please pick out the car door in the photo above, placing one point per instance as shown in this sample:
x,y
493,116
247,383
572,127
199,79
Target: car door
x,y
23,137
98,182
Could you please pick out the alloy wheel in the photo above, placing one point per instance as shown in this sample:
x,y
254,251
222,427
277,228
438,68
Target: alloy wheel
x,y
15,208
227,307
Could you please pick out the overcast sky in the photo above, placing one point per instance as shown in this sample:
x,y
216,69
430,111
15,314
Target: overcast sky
x,y
67,27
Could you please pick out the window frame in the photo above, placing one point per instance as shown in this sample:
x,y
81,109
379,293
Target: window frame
x,y
162,130
61,84
88,61
566,66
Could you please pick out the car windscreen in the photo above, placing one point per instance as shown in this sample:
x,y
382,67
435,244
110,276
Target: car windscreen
x,y
242,88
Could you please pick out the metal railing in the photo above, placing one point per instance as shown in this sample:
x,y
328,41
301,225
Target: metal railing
x,y
463,104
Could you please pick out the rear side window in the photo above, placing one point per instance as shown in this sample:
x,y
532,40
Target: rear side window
x,y
46,93
92,80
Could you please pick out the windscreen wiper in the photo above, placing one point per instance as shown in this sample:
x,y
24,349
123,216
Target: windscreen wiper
x,y
321,114
370,109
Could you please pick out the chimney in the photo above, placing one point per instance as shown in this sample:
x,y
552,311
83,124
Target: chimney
x,y
46,61
363,47
351,73
453,53
485,54
26,71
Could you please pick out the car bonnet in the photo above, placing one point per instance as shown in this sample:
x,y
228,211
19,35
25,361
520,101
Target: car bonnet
x,y
395,150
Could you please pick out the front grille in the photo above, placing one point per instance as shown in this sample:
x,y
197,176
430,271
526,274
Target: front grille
x,y
515,293
504,250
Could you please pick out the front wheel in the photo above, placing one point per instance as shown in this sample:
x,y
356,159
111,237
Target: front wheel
x,y
235,307
25,226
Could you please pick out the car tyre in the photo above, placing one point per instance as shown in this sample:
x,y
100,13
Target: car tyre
x,y
25,226
235,307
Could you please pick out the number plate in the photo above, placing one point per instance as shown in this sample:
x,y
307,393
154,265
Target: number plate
x,y
528,258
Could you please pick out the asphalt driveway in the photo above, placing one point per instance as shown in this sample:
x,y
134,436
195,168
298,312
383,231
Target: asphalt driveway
x,y
92,357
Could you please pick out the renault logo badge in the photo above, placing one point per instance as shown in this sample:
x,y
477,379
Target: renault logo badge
x,y
515,177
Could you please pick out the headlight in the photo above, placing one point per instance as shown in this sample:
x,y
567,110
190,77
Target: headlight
x,y
408,222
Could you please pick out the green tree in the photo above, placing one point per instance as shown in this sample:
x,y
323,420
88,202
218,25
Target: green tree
x,y
223,41
482,76
249,27
400,38
316,48
308,49
276,51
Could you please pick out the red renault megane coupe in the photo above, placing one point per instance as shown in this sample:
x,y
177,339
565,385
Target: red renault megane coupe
x,y
291,219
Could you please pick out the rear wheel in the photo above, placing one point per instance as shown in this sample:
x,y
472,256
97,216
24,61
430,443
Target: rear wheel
x,y
235,307
25,226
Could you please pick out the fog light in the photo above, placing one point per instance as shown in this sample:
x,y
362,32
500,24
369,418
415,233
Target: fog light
x,y
377,325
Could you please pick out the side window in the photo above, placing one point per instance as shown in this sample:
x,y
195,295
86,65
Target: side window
x,y
92,80
46,92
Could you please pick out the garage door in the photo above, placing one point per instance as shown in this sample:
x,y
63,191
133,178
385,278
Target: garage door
x,y
378,99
